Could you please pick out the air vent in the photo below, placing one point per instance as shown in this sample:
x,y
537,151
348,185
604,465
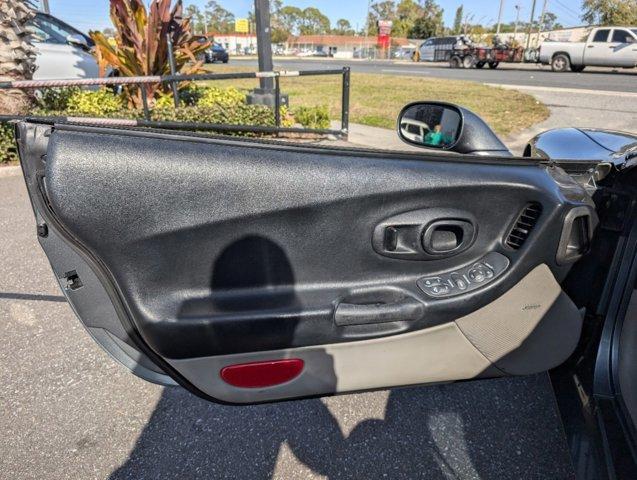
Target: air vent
x,y
523,225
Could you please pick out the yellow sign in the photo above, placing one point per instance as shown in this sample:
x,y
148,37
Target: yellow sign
x,y
241,25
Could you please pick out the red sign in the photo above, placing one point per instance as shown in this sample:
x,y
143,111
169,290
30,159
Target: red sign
x,y
383,41
384,33
384,27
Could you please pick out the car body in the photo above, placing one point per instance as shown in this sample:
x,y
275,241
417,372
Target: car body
x,y
414,129
435,49
604,47
63,51
216,53
581,144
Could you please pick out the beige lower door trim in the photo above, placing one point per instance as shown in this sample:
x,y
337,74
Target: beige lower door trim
x,y
441,353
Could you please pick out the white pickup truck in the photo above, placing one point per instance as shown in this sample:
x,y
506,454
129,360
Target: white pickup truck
x,y
604,47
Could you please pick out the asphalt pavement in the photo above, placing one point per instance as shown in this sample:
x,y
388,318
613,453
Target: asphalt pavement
x,y
68,411
622,80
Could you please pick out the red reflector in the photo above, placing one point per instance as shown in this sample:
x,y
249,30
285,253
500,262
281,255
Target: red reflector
x,y
262,374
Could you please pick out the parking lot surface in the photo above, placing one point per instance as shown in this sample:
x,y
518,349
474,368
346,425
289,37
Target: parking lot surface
x,y
70,412
620,80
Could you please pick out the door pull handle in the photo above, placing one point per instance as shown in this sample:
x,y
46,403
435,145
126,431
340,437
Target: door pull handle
x,y
407,309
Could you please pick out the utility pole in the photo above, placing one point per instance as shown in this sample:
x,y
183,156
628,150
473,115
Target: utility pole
x,y
265,94
528,33
45,6
539,27
497,31
517,21
369,8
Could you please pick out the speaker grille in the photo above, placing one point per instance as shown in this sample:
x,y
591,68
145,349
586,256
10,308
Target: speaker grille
x,y
523,225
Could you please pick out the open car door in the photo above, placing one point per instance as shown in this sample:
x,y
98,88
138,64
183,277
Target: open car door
x,y
249,271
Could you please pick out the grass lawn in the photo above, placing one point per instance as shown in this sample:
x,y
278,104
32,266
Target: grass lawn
x,y
377,99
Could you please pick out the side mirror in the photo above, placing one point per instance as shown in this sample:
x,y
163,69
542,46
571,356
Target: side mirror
x,y
77,41
449,127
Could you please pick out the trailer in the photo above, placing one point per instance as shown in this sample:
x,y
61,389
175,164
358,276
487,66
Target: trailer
x,y
479,56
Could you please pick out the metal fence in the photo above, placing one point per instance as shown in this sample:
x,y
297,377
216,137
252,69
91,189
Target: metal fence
x,y
173,81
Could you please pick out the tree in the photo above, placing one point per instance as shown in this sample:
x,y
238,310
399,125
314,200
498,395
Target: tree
x,y
289,19
430,23
550,22
457,21
385,10
407,12
343,27
313,22
279,32
197,19
17,55
218,19
610,12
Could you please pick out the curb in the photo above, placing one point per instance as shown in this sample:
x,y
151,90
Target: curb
x,y
10,171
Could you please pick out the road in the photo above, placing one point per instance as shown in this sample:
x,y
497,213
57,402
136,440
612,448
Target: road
x,y
530,75
69,411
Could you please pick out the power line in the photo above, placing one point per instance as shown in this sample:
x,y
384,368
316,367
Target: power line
x,y
566,7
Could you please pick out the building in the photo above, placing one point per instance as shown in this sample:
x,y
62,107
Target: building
x,y
236,43
337,46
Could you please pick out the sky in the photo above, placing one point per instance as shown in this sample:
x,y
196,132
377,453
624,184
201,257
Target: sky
x,y
93,14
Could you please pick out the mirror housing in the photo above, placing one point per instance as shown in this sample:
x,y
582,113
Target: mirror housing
x,y
446,126
77,41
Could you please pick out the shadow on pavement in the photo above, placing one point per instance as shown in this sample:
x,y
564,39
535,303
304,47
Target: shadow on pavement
x,y
505,428
30,296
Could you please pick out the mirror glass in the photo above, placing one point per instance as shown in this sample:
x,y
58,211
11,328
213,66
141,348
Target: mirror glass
x,y
430,125
77,40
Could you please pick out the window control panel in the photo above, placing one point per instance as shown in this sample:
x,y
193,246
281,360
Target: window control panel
x,y
465,279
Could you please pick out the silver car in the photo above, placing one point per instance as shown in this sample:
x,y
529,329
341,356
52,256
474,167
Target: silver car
x,y
63,51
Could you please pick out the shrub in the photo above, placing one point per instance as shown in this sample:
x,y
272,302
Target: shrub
x,y
313,117
221,96
239,114
8,147
94,103
55,98
141,48
188,95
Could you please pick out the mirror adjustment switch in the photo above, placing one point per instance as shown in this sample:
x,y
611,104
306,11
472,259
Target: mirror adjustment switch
x,y
465,279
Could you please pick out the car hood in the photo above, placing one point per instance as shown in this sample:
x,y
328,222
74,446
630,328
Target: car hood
x,y
579,144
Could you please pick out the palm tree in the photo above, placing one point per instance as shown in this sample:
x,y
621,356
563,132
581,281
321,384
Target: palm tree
x,y
17,54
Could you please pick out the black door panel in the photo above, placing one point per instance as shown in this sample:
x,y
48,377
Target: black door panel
x,y
222,247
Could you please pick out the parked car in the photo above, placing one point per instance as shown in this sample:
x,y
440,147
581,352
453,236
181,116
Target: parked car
x,y
216,53
434,49
604,47
63,51
413,129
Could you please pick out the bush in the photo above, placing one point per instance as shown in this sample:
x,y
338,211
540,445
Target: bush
x,y
239,114
221,96
188,95
55,98
313,117
200,104
95,103
8,147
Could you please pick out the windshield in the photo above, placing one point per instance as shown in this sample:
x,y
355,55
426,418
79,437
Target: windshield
x,y
520,84
48,29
